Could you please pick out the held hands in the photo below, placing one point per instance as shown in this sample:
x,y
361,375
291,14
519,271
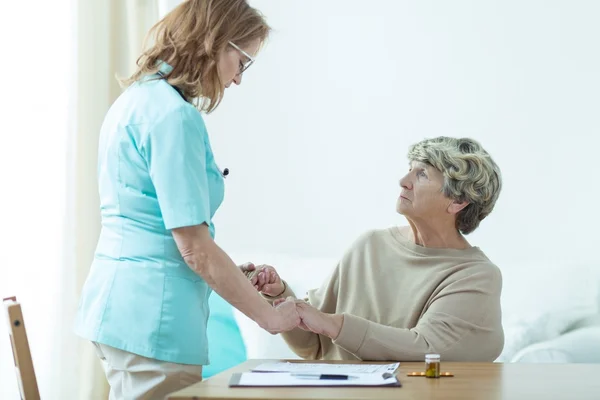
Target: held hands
x,y
313,320
293,313
286,319
265,279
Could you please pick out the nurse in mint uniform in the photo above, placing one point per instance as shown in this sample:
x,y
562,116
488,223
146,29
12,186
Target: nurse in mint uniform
x,y
144,305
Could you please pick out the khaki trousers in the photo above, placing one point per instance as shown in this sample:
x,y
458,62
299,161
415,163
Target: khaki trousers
x,y
133,377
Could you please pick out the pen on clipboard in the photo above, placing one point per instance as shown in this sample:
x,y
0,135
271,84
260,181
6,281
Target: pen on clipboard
x,y
324,376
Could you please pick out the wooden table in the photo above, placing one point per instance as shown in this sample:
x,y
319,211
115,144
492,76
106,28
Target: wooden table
x,y
487,381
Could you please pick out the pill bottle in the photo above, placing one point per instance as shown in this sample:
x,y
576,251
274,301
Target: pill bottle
x,y
432,365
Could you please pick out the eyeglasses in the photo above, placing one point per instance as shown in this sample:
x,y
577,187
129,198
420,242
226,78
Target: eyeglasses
x,y
243,65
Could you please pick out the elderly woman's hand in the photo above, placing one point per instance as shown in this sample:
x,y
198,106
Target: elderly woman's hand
x,y
313,320
246,268
266,280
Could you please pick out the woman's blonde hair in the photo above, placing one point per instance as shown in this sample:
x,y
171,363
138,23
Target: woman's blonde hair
x,y
470,174
190,39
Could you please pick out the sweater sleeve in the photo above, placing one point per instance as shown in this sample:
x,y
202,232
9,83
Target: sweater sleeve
x,y
309,345
461,323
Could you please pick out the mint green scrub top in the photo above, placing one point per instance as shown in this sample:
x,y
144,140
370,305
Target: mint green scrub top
x,y
156,172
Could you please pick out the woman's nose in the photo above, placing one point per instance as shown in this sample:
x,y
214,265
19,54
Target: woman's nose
x,y
237,79
405,183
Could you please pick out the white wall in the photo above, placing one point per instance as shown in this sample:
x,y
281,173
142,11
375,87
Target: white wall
x,y
317,134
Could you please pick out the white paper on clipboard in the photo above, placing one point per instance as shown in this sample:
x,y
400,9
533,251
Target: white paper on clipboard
x,y
327,368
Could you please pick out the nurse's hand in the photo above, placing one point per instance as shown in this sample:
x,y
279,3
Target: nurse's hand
x,y
267,281
285,318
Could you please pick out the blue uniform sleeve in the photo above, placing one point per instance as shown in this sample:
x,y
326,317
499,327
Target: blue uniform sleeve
x,y
175,151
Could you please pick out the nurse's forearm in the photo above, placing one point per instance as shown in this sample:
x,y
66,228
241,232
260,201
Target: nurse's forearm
x,y
209,261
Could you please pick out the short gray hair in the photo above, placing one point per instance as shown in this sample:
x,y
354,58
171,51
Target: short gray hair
x,y
469,172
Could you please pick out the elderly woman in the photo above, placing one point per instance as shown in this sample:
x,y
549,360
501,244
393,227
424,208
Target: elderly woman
x,y
403,292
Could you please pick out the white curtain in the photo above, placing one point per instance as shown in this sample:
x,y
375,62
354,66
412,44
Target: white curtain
x,y
109,41
59,79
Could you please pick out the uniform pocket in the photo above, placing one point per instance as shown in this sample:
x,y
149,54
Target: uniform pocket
x,y
132,316
216,185
184,319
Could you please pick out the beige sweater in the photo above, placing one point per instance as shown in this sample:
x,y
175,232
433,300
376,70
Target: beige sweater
x,y
401,301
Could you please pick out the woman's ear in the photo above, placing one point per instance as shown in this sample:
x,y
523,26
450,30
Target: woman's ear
x,y
455,207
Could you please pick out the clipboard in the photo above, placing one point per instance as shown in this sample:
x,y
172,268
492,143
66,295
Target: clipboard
x,y
286,379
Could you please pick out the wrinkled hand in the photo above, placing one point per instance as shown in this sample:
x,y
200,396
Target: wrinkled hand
x,y
313,320
286,317
266,280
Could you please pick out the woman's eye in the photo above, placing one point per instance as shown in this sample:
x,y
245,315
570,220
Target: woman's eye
x,y
422,173
241,67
